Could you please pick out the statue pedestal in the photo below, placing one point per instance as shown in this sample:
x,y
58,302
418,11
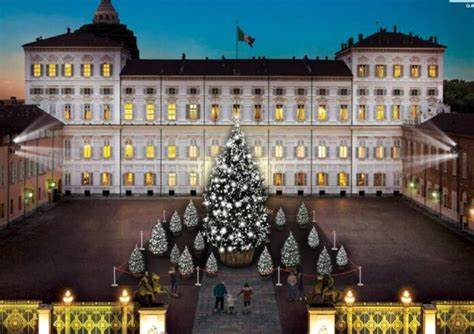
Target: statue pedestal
x,y
153,320
321,319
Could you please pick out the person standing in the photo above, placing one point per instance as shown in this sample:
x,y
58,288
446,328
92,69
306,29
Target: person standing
x,y
247,295
219,292
299,278
292,281
174,281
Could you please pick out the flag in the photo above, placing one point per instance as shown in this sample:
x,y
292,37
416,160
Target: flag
x,y
243,37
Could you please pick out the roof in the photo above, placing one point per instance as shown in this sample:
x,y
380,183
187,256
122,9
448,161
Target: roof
x,y
15,119
242,67
74,39
455,123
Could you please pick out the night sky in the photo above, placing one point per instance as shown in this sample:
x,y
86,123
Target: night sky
x,y
200,28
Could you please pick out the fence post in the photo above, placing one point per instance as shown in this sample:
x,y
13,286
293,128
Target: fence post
x,y
360,277
321,319
114,284
278,281
429,319
44,320
197,277
153,320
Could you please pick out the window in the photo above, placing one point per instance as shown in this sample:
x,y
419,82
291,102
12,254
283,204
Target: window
x,y
322,113
172,179
106,70
150,111
128,150
323,91
396,112
215,91
37,70
52,70
342,179
361,113
149,179
361,152
413,112
415,71
279,91
258,91
128,179
128,111
379,151
322,152
105,179
150,91
87,112
257,112
279,113
343,151
362,71
150,151
397,92
343,92
414,92
128,90
343,113
86,91
321,179
67,112
192,111
236,110
236,91
215,148
380,112
361,179
257,150
300,179
86,179
193,150
87,151
107,112
362,91
432,92
193,91
396,151
379,179
380,92
171,151
433,71
171,112
279,150
300,151
172,91
300,91
397,71
87,70
300,113
278,179
193,179
106,151
380,71
107,91
215,111
37,91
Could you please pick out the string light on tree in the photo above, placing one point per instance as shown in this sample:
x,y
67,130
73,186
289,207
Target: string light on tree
x,y
158,242
175,254
324,265
136,262
290,253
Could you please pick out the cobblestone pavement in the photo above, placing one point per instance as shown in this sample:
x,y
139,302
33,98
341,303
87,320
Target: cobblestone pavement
x,y
263,318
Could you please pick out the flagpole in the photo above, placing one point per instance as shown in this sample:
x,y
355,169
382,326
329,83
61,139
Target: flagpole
x,y
236,40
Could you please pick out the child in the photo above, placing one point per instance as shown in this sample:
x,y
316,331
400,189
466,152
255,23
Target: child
x,y
230,303
247,293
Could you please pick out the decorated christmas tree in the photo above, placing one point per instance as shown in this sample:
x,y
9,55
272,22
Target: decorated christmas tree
x,y
136,262
290,254
265,264
175,223
199,242
341,257
158,243
236,221
303,216
324,265
211,264
185,263
280,219
313,238
190,218
175,254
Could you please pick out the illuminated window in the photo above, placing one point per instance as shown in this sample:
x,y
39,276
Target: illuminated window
x,y
433,71
343,152
361,113
380,71
87,151
107,112
361,152
257,150
300,151
342,179
193,179
128,112
215,111
67,112
150,151
236,110
87,112
396,112
86,178
215,148
278,179
415,71
52,72
362,71
379,179
128,179
361,179
68,70
322,152
397,71
321,179
192,111
300,179
106,70
105,179
279,113
37,69
106,151
193,151
396,151
300,113
171,179
87,70
379,152
171,112
149,179
150,112
343,113
380,112
257,112
413,112
279,150
129,151
322,113
171,151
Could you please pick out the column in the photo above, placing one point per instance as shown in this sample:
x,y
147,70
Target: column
x,y
153,320
429,319
321,319
44,320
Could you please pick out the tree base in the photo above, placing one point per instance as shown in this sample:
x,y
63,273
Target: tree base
x,y
279,227
303,226
237,259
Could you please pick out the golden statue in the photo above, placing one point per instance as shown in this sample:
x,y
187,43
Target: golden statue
x,y
148,288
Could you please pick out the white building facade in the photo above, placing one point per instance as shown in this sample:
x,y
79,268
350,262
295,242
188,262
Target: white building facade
x,y
155,126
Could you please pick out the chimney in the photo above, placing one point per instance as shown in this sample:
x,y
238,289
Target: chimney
x,y
294,58
395,28
342,46
350,42
436,39
326,58
183,56
410,34
361,37
68,30
317,57
381,30
431,39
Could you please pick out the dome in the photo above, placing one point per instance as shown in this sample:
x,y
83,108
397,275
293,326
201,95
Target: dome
x,y
106,13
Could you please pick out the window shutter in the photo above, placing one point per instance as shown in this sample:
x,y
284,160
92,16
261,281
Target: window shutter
x,y
198,111
305,179
82,70
375,152
72,70
284,151
273,151
187,111
102,70
92,70
111,69
32,69
306,151
327,152
366,152
188,149
338,152
56,69
384,152
92,179
177,151
296,179
295,151
283,179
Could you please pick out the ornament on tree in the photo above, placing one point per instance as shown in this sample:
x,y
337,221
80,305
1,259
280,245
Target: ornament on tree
x,y
211,264
185,263
341,257
265,264
136,262
313,238
175,224
190,218
175,254
199,242
303,217
280,220
324,265
158,244
290,253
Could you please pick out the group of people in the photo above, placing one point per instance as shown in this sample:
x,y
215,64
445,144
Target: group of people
x,y
295,286
221,293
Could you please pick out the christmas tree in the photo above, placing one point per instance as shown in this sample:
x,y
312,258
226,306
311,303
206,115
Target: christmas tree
x,y
265,264
175,254
175,223
158,243
280,219
341,257
211,264
199,242
185,263
190,218
290,254
324,265
235,199
136,262
313,238
303,217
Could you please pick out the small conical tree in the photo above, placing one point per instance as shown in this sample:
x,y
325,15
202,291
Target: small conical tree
x,y
190,218
158,242
211,264
313,238
175,223
303,216
175,254
290,254
185,264
280,219
136,262
341,257
265,264
324,265
199,242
